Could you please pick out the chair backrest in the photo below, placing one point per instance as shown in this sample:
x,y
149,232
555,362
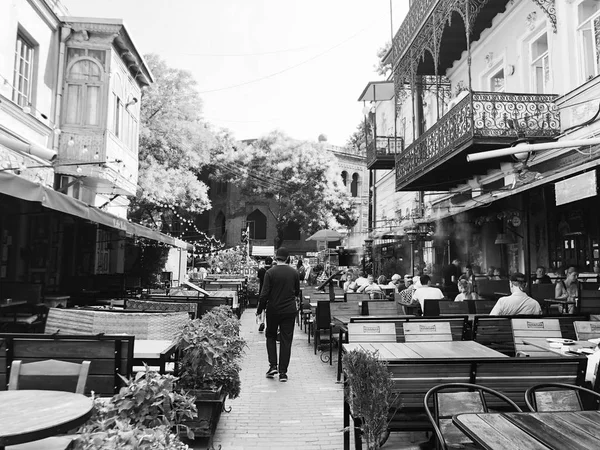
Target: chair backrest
x,y
542,291
589,286
589,302
387,308
344,309
427,332
50,374
452,308
491,288
484,306
354,297
371,332
534,328
553,397
587,330
149,305
323,315
318,297
471,398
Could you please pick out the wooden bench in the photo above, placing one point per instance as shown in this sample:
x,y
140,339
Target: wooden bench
x,y
491,289
110,356
450,307
533,328
204,304
412,378
427,332
375,308
152,305
587,330
496,331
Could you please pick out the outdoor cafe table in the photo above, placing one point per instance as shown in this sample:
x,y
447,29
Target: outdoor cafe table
x,y
532,431
564,350
30,415
154,352
397,351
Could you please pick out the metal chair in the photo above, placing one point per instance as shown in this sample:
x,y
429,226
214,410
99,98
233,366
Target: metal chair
x,y
323,323
445,405
560,397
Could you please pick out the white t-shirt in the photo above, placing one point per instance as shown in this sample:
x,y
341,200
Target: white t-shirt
x,y
427,292
519,303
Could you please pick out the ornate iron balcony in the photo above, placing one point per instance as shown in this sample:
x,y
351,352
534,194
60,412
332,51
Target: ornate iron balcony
x,y
381,152
481,118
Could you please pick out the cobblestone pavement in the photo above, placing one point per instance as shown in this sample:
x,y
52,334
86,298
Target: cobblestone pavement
x,y
305,413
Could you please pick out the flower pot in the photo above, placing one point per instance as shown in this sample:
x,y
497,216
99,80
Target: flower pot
x,y
209,404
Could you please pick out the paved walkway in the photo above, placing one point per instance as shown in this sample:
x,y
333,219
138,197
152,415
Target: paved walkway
x,y
305,413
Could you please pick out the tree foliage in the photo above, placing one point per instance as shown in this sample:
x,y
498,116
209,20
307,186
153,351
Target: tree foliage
x,y
382,68
175,143
294,178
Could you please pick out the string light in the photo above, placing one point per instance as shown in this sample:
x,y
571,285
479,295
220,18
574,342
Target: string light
x,y
85,149
71,142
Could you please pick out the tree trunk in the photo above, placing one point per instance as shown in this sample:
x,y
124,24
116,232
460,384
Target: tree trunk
x,y
279,236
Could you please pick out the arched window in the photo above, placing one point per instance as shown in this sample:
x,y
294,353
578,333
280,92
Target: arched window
x,y
345,177
354,185
258,224
83,92
220,226
291,232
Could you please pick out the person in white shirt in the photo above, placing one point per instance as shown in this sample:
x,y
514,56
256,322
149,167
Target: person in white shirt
x,y
370,286
361,279
465,289
518,303
426,291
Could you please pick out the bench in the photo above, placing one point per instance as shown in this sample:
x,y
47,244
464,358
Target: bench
x,y
152,305
450,307
491,289
204,304
375,308
496,332
110,356
412,378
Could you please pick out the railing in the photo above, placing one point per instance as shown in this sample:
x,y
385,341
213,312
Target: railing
x,y
480,115
414,19
383,148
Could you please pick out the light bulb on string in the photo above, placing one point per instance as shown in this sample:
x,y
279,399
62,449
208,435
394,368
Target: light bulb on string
x,y
27,109
57,131
96,155
71,142
84,149
79,169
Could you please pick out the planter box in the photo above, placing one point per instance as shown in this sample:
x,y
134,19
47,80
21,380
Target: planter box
x,y
209,405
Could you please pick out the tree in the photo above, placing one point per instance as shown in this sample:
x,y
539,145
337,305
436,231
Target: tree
x,y
175,143
383,68
357,138
295,178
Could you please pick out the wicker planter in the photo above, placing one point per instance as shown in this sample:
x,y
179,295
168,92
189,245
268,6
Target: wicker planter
x,y
209,405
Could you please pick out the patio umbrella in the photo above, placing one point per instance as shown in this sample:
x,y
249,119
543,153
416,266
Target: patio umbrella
x,y
325,235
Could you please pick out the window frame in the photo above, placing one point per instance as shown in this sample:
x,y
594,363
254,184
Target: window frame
x,y
579,27
83,98
16,95
533,61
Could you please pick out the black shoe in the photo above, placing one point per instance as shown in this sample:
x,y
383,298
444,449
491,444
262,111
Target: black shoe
x,y
283,377
272,372
261,327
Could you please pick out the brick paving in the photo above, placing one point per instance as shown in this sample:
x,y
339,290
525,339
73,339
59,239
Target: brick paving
x,y
304,413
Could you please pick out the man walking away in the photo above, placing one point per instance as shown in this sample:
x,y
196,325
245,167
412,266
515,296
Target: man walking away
x,y
278,297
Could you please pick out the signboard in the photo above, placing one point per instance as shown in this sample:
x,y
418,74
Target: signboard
x,y
576,188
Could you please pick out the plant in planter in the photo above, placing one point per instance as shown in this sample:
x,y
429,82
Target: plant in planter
x,y
211,349
142,415
369,393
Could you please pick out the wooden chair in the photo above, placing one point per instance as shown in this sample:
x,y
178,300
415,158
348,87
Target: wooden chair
x,y
453,308
540,292
323,323
587,330
533,328
374,308
49,375
554,397
427,332
354,297
471,399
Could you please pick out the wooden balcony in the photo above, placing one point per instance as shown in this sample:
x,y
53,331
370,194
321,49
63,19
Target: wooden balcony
x,y
381,152
481,121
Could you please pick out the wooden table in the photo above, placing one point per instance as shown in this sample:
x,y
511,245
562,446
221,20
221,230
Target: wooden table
x,y
396,351
153,352
29,415
6,303
54,301
564,350
532,431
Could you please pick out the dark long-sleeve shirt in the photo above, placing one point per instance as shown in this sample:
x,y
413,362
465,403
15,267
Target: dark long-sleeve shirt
x,y
280,289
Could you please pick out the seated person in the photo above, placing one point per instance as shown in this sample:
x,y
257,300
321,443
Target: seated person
x,y
541,277
382,280
370,286
465,290
518,303
350,284
426,291
406,296
397,282
361,279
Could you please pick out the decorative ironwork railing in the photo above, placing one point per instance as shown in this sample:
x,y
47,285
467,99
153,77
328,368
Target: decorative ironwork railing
x,y
383,148
479,115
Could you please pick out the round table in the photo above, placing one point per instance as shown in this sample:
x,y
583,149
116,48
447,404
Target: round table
x,y
29,415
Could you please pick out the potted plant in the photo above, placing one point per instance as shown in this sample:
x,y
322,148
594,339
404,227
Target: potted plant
x,y
209,365
369,392
144,414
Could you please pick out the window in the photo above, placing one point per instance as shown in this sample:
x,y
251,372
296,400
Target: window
x,y
354,185
83,90
23,73
540,64
497,81
588,27
259,230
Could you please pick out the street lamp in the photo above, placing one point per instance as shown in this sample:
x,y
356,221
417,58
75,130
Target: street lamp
x,y
412,234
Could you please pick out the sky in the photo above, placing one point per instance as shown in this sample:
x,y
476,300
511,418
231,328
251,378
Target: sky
x,y
296,66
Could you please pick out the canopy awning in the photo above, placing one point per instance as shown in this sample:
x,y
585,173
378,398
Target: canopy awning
x,y
262,250
377,91
16,186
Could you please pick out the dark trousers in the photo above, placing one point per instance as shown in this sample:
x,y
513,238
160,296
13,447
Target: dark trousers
x,y
285,323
